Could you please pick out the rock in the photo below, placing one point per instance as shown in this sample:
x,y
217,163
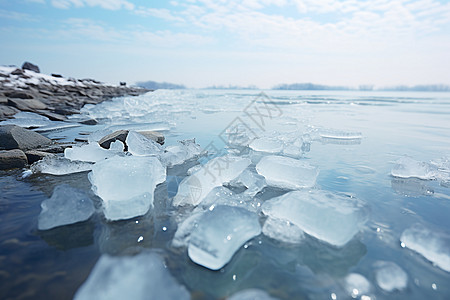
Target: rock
x,y
19,95
15,137
17,72
34,155
52,116
89,122
27,105
10,159
120,135
56,75
153,135
7,111
55,148
29,66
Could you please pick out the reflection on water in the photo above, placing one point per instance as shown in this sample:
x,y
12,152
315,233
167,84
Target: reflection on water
x,y
411,187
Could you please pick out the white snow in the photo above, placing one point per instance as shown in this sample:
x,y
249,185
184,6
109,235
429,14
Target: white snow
x,y
389,276
56,165
90,153
329,217
220,233
66,206
143,276
126,184
286,172
282,230
194,188
433,245
406,167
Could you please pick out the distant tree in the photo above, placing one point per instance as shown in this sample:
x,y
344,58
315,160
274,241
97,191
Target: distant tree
x,y
153,85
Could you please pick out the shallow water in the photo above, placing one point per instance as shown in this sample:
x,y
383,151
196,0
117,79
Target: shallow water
x,y
54,263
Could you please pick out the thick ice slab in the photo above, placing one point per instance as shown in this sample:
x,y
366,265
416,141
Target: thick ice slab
x,y
268,145
178,154
283,231
194,188
433,245
220,233
139,145
390,276
55,165
329,217
89,153
251,180
126,184
407,167
286,172
66,206
143,276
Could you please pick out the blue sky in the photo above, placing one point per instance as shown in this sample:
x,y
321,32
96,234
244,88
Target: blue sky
x,y
203,42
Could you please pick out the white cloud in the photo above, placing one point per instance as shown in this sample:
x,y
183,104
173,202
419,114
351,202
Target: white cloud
x,y
17,16
106,4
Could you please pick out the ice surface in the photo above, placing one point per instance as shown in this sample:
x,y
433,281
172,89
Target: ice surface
x,y
336,134
126,184
183,234
143,276
407,167
433,245
283,231
251,294
55,165
117,146
220,233
357,285
223,196
178,154
268,145
329,217
390,276
66,206
251,180
90,152
28,120
194,188
286,172
139,145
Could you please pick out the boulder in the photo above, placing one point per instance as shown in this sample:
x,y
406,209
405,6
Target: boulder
x,y
29,66
10,159
19,95
154,135
51,115
57,75
120,135
17,72
27,105
7,111
15,137
34,155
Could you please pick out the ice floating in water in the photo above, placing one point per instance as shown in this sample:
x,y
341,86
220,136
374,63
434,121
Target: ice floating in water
x,y
56,165
223,196
407,167
194,188
251,180
390,276
220,233
287,173
251,294
90,153
139,145
357,285
341,135
433,245
126,184
329,217
117,146
267,145
66,206
183,234
56,125
283,231
178,154
143,276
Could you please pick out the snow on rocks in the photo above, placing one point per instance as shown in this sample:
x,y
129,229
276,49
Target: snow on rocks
x,y
287,173
389,276
332,218
126,185
66,206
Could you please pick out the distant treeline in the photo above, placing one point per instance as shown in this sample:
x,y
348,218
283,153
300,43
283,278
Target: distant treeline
x,y
419,88
312,86
232,87
309,86
153,85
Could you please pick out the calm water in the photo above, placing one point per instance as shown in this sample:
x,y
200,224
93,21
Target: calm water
x,y
52,264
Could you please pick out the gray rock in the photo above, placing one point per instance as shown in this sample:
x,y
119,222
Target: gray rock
x,y
10,159
29,66
27,105
89,122
34,155
153,135
17,72
120,135
7,111
52,116
55,148
15,137
19,95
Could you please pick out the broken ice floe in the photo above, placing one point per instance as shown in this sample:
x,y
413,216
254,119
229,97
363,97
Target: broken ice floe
x,y
194,188
268,145
143,276
407,167
220,233
433,245
126,184
252,181
329,217
389,276
283,231
56,165
140,145
89,153
287,173
66,206
178,154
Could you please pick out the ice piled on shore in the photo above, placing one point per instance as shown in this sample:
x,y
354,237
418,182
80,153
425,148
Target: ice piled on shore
x,y
126,184
283,231
66,206
390,276
90,153
139,145
56,165
220,233
407,167
329,217
28,120
143,276
433,245
194,188
287,173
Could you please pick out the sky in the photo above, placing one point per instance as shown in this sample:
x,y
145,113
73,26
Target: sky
x,y
201,43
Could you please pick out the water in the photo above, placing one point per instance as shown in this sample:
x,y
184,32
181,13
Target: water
x,y
353,138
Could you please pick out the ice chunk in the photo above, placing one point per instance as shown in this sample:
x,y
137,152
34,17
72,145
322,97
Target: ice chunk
x,y
66,206
143,276
283,231
390,276
220,233
433,245
265,144
56,165
251,294
251,180
194,188
183,234
341,135
329,217
407,167
223,196
287,173
90,153
194,169
28,120
139,145
357,285
117,146
126,184
178,154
